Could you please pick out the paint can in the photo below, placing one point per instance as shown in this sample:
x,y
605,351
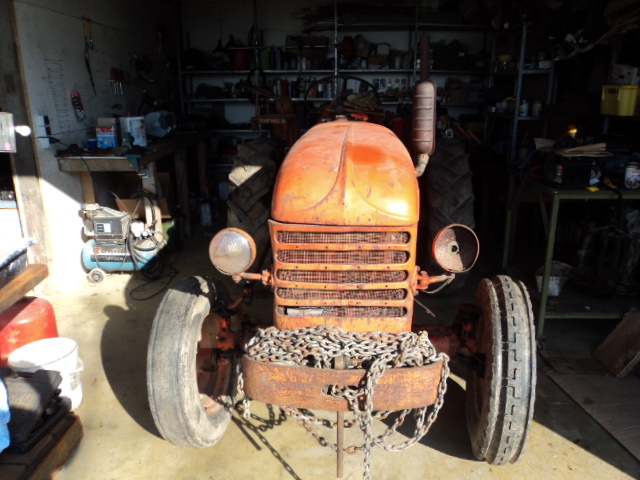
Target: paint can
x,y
632,175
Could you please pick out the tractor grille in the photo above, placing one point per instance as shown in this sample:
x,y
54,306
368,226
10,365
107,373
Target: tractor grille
x,y
342,273
351,238
374,257
341,312
361,295
358,276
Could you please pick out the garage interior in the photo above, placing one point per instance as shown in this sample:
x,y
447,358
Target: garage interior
x,y
154,126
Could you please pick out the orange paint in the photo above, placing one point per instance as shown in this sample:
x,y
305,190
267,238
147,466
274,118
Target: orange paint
x,y
347,173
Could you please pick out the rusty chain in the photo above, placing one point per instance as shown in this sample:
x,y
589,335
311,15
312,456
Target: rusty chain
x,y
374,352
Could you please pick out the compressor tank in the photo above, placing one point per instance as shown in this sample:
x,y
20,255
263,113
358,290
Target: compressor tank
x,y
116,257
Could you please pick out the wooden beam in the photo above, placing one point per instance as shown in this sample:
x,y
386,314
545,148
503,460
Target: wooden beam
x,y
21,285
26,171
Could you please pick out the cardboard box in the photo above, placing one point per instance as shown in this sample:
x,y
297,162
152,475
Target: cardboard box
x,y
130,185
624,75
106,133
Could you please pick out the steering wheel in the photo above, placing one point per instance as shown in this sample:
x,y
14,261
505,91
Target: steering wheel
x,y
337,103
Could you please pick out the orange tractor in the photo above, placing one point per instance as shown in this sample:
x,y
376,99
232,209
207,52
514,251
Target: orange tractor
x,y
343,230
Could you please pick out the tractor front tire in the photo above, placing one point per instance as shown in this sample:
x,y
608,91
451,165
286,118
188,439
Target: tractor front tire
x,y
191,406
501,384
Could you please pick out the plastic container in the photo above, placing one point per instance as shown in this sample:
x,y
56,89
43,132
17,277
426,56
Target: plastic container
x,y
26,321
559,276
60,354
632,175
619,100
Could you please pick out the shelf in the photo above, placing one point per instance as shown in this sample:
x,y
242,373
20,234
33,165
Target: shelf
x,y
467,104
575,304
511,116
214,100
534,71
237,130
246,72
374,71
403,26
458,72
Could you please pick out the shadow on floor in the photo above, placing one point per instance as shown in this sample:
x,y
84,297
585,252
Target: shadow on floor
x,y
124,358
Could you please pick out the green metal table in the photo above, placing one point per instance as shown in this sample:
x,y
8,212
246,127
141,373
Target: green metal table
x,y
534,191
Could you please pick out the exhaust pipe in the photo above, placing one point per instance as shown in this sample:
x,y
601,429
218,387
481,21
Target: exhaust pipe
x,y
424,111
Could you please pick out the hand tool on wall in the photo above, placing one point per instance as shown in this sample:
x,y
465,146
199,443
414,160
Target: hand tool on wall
x,y
88,45
117,77
78,106
88,36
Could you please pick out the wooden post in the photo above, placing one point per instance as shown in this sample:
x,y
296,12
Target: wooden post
x,y
26,171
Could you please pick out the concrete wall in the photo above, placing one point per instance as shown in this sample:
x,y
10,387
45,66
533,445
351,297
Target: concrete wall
x,y
51,43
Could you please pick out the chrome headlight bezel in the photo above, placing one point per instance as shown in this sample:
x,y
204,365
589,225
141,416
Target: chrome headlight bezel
x,y
232,251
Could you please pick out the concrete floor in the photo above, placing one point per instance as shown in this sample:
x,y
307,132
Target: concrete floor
x,y
121,442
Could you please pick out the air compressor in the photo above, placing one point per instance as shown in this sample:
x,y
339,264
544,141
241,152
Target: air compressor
x,y
119,243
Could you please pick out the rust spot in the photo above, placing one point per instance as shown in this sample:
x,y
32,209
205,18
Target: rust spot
x,y
290,198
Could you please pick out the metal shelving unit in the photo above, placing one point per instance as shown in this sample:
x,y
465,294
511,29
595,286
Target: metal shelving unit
x,y
519,75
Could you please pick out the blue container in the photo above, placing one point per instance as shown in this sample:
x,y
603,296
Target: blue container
x,y
5,416
117,257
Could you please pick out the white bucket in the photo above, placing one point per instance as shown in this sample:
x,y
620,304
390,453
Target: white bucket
x,y
60,354
558,277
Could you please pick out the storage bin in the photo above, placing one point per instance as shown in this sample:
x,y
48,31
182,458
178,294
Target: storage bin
x,y
619,100
13,259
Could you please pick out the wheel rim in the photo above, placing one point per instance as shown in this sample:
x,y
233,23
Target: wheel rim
x,y
213,369
96,276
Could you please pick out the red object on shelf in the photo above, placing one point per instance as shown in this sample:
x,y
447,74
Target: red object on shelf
x,y
28,320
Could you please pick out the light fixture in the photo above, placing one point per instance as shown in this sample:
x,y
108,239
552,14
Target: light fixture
x,y
23,130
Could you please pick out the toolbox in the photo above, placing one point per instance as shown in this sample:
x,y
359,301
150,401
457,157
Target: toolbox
x,y
567,172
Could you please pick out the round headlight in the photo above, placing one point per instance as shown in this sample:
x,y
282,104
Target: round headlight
x,y
232,251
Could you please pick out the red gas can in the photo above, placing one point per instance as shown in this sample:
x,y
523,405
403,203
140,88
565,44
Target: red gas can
x,y
28,320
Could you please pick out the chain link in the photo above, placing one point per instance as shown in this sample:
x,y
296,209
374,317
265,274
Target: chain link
x,y
317,347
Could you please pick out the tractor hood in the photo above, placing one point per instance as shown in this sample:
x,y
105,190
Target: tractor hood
x,y
347,173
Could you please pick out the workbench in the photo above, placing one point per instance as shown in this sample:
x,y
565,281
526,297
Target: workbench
x,y
145,166
534,191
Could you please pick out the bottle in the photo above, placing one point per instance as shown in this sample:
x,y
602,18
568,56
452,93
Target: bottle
x,y
537,108
524,108
302,86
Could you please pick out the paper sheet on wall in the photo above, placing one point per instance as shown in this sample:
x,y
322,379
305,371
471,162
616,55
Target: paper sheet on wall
x,y
55,78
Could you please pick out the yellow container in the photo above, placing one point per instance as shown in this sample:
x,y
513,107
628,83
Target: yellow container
x,y
619,100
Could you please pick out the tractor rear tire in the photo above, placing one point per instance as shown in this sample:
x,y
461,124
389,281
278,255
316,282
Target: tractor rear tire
x,y
185,317
249,201
449,195
501,383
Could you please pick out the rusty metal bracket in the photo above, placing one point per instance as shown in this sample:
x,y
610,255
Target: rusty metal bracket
x,y
305,387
